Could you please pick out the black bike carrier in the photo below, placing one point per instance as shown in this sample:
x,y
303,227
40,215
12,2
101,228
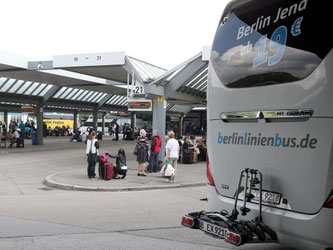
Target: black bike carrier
x,y
226,226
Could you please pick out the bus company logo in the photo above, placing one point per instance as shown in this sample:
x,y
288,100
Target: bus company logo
x,y
277,140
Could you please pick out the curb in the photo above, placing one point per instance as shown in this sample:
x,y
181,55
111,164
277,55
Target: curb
x,y
53,184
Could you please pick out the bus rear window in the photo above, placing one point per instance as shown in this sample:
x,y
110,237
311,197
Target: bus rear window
x,y
271,42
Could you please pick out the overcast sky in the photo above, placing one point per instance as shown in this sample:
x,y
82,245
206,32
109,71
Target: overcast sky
x,y
164,33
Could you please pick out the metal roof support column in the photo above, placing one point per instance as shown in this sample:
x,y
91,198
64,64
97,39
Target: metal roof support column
x,y
95,110
159,121
133,121
39,125
75,120
95,113
103,123
102,102
6,118
49,94
201,120
181,125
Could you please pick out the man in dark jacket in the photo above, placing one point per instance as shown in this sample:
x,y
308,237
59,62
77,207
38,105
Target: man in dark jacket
x,y
156,142
117,131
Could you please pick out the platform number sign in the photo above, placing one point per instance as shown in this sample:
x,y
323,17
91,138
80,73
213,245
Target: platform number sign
x,y
138,90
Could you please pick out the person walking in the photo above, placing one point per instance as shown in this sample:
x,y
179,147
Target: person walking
x,y
92,152
172,153
142,157
155,148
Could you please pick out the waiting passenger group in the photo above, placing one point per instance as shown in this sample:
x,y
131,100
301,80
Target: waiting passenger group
x,y
147,154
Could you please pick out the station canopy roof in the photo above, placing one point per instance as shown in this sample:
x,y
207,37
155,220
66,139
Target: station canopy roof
x,y
57,85
186,84
97,82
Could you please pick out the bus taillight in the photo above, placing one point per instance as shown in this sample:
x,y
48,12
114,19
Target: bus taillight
x,y
329,203
209,173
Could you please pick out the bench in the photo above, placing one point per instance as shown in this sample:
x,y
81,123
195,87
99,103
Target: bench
x,y
5,142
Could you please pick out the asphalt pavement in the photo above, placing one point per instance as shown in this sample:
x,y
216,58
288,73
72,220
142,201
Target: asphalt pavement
x,y
36,216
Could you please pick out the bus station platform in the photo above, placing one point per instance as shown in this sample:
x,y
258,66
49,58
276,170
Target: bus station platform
x,y
60,164
187,176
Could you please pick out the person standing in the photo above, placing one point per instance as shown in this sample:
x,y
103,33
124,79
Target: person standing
x,y
110,127
44,129
12,127
142,157
117,131
172,152
155,148
92,152
124,131
21,126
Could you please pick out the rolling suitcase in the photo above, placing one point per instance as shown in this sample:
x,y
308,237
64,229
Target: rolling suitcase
x,y
187,156
101,170
20,142
108,171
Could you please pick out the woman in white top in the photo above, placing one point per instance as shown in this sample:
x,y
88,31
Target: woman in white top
x,y
172,152
92,152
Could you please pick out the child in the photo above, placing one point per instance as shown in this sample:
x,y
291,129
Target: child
x,y
121,166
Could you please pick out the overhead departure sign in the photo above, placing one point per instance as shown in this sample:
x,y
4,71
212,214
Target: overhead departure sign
x,y
85,60
139,105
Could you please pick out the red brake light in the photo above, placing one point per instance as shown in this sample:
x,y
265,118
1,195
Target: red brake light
x,y
234,238
188,221
231,237
330,202
209,173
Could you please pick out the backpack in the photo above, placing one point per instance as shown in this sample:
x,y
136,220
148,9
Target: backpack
x,y
103,158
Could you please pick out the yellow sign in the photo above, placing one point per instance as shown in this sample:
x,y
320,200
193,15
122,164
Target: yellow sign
x,y
160,98
59,123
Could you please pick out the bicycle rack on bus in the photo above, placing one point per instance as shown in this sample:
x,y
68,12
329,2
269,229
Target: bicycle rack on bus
x,y
227,226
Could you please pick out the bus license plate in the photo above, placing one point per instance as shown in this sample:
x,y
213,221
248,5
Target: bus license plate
x,y
267,197
213,229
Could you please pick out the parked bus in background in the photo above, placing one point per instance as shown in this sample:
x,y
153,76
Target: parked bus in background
x,y
270,108
109,120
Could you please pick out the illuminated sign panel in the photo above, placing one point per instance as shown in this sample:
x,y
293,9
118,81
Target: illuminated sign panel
x,y
139,105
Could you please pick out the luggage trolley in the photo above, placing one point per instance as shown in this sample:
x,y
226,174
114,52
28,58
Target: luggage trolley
x,y
227,226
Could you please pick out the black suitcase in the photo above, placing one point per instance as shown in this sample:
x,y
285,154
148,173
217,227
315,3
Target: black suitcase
x,y
20,142
187,156
101,170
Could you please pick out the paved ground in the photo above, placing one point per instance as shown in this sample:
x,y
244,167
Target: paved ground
x,y
34,216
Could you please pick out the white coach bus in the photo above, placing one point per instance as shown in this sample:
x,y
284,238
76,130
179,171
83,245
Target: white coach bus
x,y
270,111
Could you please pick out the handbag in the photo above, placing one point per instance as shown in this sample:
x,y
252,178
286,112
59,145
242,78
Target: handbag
x,y
163,170
168,169
135,152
